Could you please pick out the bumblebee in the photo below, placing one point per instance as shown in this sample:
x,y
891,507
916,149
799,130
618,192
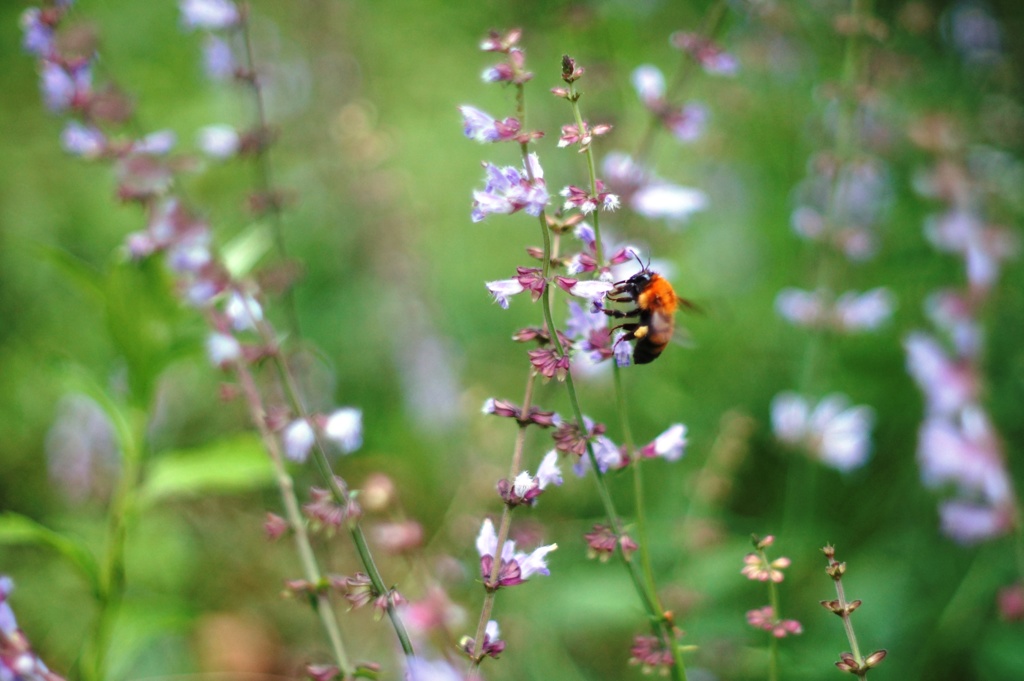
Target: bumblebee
x,y
656,302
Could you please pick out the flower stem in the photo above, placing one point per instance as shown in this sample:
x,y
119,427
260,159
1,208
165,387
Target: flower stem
x,y
286,485
264,168
338,493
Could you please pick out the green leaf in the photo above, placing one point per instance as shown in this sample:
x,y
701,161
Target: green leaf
x,y
234,464
243,252
18,529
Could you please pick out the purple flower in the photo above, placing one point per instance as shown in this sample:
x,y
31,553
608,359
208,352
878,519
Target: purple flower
x,y
504,289
17,661
608,454
687,123
211,15
516,567
948,385
157,143
577,197
965,453
83,140
420,669
851,312
479,126
649,83
65,86
37,35
971,523
707,53
864,312
834,433
218,58
509,190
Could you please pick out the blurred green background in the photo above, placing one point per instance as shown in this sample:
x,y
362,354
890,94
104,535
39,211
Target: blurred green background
x,y
397,321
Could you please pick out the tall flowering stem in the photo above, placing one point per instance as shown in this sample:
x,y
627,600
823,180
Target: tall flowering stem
x,y
643,577
296,522
854,662
758,567
268,196
338,492
149,180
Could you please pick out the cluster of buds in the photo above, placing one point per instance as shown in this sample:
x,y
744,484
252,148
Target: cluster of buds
x,y
759,568
492,646
756,565
854,662
651,654
326,513
602,542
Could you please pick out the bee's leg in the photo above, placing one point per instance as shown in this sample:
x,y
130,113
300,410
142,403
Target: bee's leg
x,y
620,314
632,331
625,298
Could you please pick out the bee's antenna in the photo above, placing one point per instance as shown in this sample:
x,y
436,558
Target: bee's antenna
x,y
638,260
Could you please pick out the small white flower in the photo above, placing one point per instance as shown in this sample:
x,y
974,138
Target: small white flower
x,y
549,473
523,483
298,439
535,563
864,312
649,83
243,311
668,201
669,445
344,428
789,417
219,141
208,14
222,349
591,289
157,143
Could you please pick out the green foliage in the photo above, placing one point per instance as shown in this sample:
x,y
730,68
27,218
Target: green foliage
x,y
231,465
